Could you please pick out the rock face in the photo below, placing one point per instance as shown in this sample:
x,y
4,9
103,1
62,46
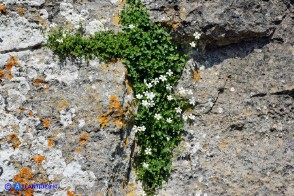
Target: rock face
x,y
68,123
221,22
242,141
64,123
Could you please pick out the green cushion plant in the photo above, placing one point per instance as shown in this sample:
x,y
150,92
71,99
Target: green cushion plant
x,y
154,67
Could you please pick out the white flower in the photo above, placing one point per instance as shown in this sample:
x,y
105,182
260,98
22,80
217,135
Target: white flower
x,y
64,35
145,81
167,138
162,78
182,91
197,35
148,151
150,95
142,128
131,26
157,116
192,117
190,92
139,96
179,110
53,25
185,117
149,85
193,44
145,103
169,120
169,97
145,165
192,101
60,40
151,103
169,73
135,129
155,81
168,87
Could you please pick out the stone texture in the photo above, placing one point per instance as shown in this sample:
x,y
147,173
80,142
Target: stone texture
x,y
221,22
55,111
241,142
61,122
69,122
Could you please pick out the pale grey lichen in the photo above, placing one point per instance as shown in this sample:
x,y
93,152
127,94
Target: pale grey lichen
x,y
66,116
75,176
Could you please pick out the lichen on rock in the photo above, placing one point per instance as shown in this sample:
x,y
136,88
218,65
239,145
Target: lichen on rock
x,y
67,122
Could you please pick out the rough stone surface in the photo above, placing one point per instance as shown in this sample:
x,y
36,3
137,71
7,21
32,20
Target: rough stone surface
x,y
221,22
71,115
61,122
69,122
241,142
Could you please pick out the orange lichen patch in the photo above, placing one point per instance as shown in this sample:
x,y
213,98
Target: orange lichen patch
x,y
2,74
78,149
119,122
14,140
175,24
69,193
21,10
116,111
39,81
131,193
3,9
115,19
46,123
223,144
25,176
84,138
31,114
103,119
121,3
114,104
126,142
62,104
38,160
51,142
10,76
196,75
12,61
132,185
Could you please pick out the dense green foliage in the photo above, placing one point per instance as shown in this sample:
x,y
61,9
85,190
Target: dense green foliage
x,y
154,67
